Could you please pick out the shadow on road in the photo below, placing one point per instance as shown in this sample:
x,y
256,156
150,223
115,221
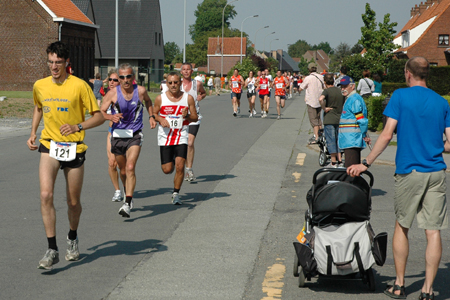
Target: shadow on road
x,y
113,248
378,192
440,285
344,285
209,178
188,200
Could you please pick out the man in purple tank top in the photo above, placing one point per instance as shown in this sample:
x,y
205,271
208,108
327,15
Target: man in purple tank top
x,y
127,136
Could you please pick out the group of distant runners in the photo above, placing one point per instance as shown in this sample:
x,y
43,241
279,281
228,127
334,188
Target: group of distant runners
x,y
262,85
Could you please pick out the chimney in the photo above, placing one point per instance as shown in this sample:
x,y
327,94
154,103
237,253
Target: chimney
x,y
416,10
422,7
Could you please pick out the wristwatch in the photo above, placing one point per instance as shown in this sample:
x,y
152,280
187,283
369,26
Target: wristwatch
x,y
80,127
152,116
364,162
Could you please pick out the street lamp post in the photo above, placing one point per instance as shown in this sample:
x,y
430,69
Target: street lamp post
x,y
255,16
184,35
264,49
223,20
116,48
270,44
257,33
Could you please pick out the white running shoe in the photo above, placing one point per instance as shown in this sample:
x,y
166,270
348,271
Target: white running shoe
x,y
254,112
279,117
117,196
251,115
189,175
50,258
176,199
125,210
239,110
72,252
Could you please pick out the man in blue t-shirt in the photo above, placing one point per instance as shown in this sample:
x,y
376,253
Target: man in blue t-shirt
x,y
421,117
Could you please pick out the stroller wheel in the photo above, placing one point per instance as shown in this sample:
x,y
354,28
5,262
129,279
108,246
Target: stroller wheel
x,y
370,279
301,277
322,159
296,264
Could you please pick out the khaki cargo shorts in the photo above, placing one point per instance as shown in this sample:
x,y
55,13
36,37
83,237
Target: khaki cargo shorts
x,y
314,116
421,194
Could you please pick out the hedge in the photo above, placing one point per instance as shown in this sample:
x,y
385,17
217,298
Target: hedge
x,y
438,80
375,112
390,87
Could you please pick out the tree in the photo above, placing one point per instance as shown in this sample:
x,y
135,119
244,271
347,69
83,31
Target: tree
x,y
244,68
299,48
395,71
377,39
356,64
171,50
342,51
303,65
325,46
209,17
357,48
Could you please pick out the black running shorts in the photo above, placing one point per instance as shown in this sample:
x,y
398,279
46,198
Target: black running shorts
x,y
119,146
193,129
74,164
168,153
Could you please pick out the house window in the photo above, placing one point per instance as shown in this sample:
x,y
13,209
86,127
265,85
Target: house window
x,y
443,40
156,38
433,64
160,39
405,39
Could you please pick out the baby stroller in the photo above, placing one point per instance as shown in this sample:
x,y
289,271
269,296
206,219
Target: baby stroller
x,y
324,155
337,238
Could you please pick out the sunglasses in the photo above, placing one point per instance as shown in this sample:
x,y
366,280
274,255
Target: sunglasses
x,y
58,62
174,82
126,76
113,79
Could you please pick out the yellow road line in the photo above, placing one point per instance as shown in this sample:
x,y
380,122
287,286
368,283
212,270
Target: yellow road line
x,y
297,176
300,159
273,283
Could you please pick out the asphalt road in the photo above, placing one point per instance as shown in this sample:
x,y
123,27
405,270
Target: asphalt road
x,y
231,239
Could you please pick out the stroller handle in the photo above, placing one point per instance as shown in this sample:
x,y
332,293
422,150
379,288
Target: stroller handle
x,y
339,170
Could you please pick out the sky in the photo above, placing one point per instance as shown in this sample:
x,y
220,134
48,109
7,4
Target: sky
x,y
332,21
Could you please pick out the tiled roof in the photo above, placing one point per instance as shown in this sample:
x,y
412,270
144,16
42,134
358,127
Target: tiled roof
x,y
433,9
320,57
231,45
66,9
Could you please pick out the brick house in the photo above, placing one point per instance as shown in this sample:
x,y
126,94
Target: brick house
x,y
427,33
320,57
26,29
231,53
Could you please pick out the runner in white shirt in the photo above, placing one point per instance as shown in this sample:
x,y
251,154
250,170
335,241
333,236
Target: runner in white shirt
x,y
196,90
171,112
251,94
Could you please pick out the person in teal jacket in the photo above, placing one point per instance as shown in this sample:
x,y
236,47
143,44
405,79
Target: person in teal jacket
x,y
353,124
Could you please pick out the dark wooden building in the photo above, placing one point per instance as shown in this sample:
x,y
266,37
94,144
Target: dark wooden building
x,y
141,40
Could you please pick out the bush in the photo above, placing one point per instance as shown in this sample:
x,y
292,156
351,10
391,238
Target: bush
x,y
395,71
438,80
375,112
390,87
